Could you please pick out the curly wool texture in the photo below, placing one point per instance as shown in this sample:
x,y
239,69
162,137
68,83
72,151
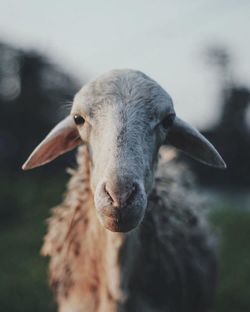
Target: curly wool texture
x,y
168,263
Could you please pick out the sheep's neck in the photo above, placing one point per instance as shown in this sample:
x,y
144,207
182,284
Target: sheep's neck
x,y
84,267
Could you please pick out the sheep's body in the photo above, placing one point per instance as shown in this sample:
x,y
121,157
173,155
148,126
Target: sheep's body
x,y
168,263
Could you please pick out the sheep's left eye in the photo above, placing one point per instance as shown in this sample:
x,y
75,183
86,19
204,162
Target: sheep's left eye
x,y
168,121
79,120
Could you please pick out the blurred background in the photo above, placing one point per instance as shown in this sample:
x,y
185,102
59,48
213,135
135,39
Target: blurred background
x,y
197,50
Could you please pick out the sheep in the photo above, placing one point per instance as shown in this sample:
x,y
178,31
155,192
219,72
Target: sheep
x,y
130,234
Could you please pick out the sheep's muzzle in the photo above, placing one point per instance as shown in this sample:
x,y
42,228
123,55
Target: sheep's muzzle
x,y
120,206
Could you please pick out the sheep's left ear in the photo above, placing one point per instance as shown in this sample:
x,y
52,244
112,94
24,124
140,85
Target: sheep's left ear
x,y
61,139
189,140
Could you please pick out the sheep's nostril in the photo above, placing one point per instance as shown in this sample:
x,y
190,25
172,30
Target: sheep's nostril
x,y
119,195
107,191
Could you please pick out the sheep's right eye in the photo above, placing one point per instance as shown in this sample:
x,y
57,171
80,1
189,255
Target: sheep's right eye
x,y
79,120
168,121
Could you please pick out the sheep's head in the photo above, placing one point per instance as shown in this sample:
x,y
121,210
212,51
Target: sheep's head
x,y
123,117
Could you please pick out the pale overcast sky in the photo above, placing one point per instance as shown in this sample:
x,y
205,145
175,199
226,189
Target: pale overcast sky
x,y
163,38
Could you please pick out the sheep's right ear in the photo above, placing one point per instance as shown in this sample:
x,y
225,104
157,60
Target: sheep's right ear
x,y
189,140
61,139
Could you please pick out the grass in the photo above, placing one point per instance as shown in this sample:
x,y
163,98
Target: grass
x,y
233,226
23,282
24,205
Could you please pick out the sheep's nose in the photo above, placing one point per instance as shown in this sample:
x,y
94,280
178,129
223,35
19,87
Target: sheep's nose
x,y
119,194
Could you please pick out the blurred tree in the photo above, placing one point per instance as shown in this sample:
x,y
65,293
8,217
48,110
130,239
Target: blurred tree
x,y
231,135
32,94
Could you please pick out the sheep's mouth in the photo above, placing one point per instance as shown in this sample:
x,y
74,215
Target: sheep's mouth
x,y
121,220
116,224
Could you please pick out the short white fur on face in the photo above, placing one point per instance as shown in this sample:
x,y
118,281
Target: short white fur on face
x,y
123,109
128,116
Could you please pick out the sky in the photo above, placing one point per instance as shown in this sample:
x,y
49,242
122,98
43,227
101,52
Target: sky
x,y
164,39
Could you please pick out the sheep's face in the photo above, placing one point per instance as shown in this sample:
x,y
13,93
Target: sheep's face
x,y
123,117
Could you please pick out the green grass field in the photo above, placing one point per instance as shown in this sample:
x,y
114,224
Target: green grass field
x,y
233,227
25,204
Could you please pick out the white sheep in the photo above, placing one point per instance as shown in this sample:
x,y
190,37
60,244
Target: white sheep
x,y
128,235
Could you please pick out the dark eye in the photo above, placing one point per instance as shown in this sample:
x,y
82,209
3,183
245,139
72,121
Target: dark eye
x,y
168,121
79,120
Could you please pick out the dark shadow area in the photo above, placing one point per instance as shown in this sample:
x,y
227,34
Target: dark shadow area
x,y
34,95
